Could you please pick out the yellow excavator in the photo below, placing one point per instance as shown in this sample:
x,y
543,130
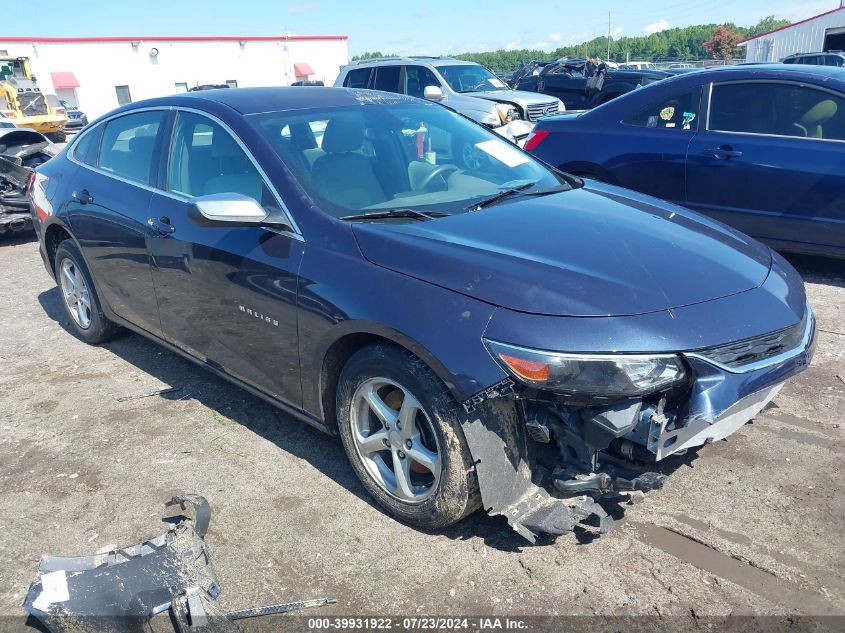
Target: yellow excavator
x,y
22,101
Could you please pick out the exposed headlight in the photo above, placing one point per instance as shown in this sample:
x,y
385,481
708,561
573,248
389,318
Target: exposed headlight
x,y
589,374
507,113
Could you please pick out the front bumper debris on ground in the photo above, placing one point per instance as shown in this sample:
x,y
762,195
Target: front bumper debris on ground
x,y
122,589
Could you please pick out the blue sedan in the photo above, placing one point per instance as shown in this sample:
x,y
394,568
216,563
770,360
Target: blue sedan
x,y
500,335
761,148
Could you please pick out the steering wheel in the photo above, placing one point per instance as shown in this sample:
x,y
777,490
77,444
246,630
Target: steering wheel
x,y
440,171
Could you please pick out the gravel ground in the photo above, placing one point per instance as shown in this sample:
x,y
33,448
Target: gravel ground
x,y
93,440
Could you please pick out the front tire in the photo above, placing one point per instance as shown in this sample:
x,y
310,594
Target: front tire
x,y
79,297
400,428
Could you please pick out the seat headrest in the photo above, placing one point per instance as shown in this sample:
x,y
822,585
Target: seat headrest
x,y
224,146
819,113
343,135
141,144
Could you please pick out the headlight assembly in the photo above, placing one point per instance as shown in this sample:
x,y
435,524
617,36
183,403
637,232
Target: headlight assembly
x,y
507,113
612,375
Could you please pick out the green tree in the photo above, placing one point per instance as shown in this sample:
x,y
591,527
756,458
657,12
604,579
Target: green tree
x,y
686,44
368,55
769,23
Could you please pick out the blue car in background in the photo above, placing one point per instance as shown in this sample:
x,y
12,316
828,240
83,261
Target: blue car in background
x,y
499,335
761,148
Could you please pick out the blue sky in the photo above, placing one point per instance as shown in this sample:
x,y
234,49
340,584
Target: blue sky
x,y
430,27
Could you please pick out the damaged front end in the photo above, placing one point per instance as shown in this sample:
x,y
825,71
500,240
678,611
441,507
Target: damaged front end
x,y
21,151
567,430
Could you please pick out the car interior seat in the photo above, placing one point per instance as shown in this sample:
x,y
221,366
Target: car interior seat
x,y
344,175
811,124
234,172
414,87
134,162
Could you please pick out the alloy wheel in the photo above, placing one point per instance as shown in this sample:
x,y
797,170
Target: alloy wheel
x,y
395,440
75,291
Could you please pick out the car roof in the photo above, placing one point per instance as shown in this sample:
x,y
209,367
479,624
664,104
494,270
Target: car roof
x,y
255,100
778,69
409,61
839,53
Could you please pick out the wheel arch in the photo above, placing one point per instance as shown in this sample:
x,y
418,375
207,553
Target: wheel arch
x,y
354,336
55,234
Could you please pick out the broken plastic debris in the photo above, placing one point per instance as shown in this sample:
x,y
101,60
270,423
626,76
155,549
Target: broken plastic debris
x,y
120,589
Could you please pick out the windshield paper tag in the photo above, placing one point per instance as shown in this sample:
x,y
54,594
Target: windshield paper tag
x,y
503,152
496,82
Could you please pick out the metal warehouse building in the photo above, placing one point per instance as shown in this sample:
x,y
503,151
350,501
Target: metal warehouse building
x,y
824,32
99,73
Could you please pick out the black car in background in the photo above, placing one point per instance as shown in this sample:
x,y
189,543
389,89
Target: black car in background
x,y
76,118
831,58
581,83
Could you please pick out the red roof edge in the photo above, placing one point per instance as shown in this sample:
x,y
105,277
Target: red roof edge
x,y
789,26
179,38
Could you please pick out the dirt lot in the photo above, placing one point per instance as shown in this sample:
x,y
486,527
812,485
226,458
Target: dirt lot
x,y
94,439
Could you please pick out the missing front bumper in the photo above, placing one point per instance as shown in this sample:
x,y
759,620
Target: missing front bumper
x,y
700,432
543,461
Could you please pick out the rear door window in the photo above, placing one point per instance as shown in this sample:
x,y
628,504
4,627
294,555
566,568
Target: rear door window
x,y
129,144
779,109
387,78
85,150
357,78
676,112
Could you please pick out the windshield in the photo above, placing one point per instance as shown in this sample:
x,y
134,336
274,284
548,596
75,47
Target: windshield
x,y
406,156
470,78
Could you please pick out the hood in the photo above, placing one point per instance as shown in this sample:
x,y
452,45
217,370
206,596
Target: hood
x,y
511,96
596,251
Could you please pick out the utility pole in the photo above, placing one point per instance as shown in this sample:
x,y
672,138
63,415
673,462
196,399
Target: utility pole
x,y
608,35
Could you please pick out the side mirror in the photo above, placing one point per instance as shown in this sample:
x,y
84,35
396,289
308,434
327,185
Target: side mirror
x,y
434,93
226,208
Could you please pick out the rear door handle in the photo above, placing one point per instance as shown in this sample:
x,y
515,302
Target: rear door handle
x,y
82,197
162,225
722,153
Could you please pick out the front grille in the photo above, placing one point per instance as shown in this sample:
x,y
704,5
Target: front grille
x,y
32,103
758,348
538,110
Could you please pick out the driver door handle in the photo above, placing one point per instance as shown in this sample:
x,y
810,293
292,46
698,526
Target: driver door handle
x,y
723,152
161,225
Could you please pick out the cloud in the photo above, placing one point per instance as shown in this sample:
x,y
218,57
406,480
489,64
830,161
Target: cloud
x,y
305,7
655,27
615,33
540,46
512,46
555,37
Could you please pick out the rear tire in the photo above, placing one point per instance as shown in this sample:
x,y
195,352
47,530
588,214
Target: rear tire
x,y
416,433
79,298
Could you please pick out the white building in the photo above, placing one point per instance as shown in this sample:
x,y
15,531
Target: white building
x,y
99,73
824,32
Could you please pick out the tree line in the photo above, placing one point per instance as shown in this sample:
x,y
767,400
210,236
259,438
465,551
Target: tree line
x,y
692,43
